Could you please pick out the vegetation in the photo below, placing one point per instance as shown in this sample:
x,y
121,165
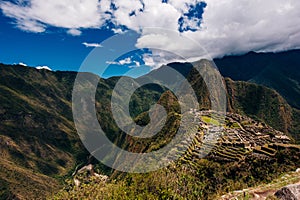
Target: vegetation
x,y
279,71
210,120
39,146
200,179
266,190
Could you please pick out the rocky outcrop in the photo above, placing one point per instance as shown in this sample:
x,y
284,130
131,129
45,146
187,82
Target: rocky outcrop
x,y
290,192
85,174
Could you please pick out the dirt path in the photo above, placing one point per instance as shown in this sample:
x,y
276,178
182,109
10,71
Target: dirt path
x,y
263,191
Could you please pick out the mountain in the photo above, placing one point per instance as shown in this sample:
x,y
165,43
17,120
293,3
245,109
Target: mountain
x,y
246,98
279,71
247,154
39,142
40,147
37,134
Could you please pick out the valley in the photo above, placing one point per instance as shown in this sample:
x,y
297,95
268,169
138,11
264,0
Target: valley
x,y
40,146
149,100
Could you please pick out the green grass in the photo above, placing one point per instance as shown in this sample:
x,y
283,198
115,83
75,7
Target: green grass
x,y
210,120
36,114
188,179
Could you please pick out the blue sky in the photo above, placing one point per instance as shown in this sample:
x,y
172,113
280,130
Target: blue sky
x,y
59,50
56,33
54,48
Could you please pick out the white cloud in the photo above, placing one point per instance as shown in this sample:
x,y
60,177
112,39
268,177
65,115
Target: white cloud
x,y
154,14
44,68
138,64
35,15
117,30
74,32
157,58
135,64
95,45
249,25
233,27
126,61
22,64
228,26
149,61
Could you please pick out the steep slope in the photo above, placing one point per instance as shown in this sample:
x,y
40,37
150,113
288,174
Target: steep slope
x,y
259,102
246,98
279,71
37,135
248,153
39,143
249,99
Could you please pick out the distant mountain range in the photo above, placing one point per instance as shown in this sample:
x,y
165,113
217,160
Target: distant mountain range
x,y
40,146
280,71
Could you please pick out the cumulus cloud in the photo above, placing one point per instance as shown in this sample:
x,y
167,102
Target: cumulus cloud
x,y
149,60
136,14
36,15
156,58
221,27
74,32
95,45
44,68
233,27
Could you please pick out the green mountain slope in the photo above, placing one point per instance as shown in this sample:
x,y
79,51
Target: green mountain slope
x,y
40,146
37,135
246,98
39,143
248,153
279,71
